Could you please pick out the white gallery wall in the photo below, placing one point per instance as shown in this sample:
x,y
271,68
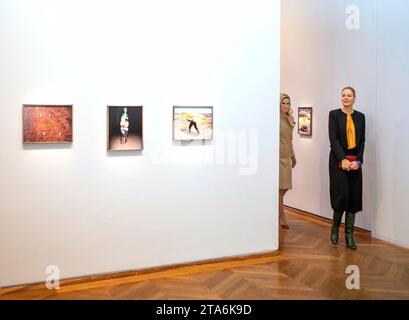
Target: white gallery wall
x,y
325,46
391,219
87,211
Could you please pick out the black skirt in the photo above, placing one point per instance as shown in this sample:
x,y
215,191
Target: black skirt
x,y
345,186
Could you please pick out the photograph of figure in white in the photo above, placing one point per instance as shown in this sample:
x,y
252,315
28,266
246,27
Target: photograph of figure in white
x,y
124,124
125,128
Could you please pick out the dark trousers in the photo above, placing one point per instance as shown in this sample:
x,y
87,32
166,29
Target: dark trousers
x,y
345,188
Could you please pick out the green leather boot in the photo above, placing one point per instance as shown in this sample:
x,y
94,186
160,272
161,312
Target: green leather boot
x,y
335,226
349,230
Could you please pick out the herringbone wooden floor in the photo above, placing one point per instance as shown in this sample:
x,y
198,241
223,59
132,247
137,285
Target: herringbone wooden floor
x,y
307,266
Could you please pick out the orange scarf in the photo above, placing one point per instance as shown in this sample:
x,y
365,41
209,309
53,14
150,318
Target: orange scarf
x,y
350,131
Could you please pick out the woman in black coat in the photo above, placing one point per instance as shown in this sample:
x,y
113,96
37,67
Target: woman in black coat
x,y
347,137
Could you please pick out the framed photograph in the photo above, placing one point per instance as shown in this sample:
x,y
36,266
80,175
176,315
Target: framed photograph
x,y
125,132
47,124
305,122
192,123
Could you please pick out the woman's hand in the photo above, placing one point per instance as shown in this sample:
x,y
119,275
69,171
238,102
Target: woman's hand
x,y
346,165
354,166
293,162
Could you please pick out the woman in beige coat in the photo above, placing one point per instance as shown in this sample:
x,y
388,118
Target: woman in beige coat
x,y
287,156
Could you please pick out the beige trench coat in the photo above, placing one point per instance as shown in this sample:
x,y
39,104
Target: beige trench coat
x,y
287,155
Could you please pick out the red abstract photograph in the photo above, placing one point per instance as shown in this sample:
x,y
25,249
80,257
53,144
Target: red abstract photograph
x,y
47,124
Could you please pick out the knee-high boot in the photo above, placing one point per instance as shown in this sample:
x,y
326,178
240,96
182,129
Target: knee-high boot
x,y
335,226
349,230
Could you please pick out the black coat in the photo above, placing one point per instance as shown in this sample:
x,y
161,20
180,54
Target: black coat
x,y
345,187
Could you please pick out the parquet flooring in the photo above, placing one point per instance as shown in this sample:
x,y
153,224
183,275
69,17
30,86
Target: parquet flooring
x,y
307,266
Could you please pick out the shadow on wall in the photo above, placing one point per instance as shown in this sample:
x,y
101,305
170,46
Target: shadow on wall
x,y
325,200
193,143
120,154
45,146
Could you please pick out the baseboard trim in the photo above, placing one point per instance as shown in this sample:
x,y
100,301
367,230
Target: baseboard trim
x,y
123,277
316,217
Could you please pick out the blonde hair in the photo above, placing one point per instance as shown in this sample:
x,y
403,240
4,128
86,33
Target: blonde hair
x,y
286,96
350,88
